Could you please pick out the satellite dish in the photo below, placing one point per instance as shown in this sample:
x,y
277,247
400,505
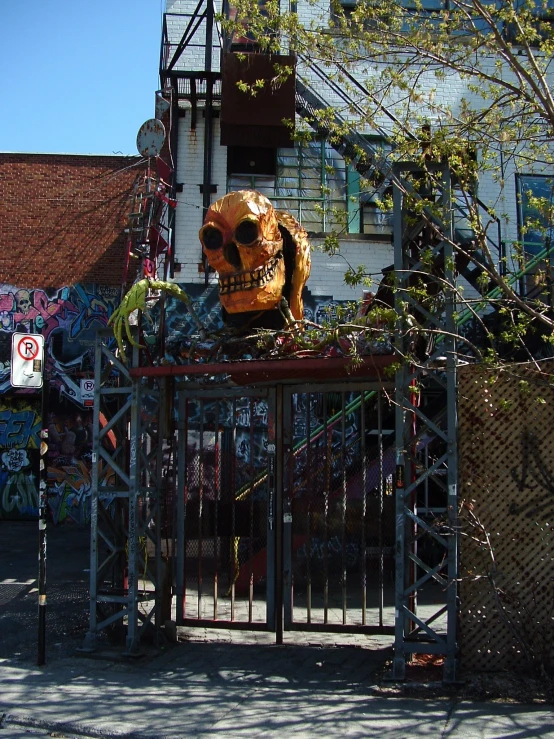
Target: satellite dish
x,y
151,137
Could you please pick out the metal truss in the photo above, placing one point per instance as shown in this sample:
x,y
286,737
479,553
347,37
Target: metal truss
x,y
426,422
126,564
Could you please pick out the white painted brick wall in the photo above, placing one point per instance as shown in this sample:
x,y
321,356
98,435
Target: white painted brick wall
x,y
327,276
190,172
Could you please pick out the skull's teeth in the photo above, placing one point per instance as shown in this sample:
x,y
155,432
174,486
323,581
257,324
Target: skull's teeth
x,y
250,280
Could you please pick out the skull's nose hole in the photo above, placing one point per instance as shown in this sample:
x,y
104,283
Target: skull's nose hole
x,y
212,238
231,254
246,233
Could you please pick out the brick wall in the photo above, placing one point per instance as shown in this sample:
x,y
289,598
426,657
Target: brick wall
x,y
62,218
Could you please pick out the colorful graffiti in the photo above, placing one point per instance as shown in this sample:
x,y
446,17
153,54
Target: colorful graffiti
x,y
19,426
205,301
19,457
69,466
19,483
67,318
69,461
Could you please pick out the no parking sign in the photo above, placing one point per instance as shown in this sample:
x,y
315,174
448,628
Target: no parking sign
x,y
27,360
87,393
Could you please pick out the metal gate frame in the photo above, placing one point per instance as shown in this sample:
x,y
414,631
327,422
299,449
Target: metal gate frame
x,y
136,466
439,371
288,449
272,580
127,487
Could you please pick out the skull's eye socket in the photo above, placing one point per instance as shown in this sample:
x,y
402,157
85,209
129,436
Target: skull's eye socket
x,y
246,233
212,238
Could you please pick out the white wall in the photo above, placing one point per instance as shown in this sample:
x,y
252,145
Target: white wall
x,y
190,172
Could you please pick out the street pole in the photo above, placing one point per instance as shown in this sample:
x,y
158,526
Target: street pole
x,y
43,502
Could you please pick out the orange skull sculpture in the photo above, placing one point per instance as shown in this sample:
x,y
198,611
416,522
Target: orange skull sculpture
x,y
260,254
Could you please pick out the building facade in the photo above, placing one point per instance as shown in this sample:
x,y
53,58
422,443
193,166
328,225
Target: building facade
x,y
224,151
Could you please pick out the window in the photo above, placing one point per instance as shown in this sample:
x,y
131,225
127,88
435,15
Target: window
x,y
543,11
409,8
313,183
430,12
535,212
310,182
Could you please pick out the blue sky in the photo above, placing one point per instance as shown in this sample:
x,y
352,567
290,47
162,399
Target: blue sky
x,y
77,76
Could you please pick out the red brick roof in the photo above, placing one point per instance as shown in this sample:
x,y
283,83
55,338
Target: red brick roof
x,y
62,218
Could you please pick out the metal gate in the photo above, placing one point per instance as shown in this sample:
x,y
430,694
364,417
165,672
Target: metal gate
x,y
338,509
285,509
226,497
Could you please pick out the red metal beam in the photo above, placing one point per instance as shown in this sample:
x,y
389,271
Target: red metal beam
x,y
246,372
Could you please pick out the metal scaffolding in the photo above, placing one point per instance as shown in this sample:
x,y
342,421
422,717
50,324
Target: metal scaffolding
x,y
134,415
425,420
126,564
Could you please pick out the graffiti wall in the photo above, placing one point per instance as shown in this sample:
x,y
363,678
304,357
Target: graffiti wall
x,y
205,301
19,457
67,317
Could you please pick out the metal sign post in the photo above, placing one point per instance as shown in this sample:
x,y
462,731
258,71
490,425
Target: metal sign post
x,y
43,502
27,371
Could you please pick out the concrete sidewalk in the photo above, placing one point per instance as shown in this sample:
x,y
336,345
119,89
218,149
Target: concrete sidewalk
x,y
225,683
202,689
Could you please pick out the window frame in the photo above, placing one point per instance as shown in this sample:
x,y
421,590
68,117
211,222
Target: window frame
x,y
532,247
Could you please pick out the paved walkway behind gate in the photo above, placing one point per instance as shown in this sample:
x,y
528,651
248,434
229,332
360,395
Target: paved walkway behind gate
x,y
234,685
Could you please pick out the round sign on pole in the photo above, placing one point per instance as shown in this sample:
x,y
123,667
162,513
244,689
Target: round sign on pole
x,y
151,137
28,348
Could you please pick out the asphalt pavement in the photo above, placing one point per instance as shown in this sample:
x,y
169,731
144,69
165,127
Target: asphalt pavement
x,y
229,684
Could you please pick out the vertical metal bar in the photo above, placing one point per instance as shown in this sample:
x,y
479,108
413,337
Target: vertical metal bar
x,y
270,502
412,542
399,662
450,664
217,495
309,491
133,529
381,504
327,441
288,433
279,454
43,503
363,455
180,586
200,507
90,639
208,50
233,543
251,513
344,502
208,120
157,507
